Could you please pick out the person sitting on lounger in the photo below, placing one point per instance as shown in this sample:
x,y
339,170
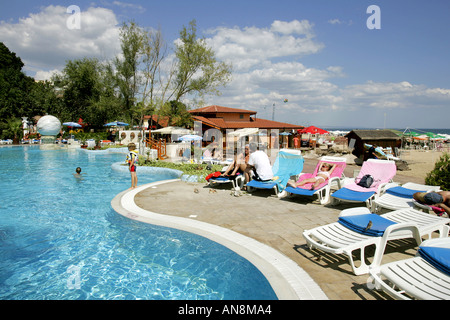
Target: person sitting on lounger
x,y
258,164
322,175
234,169
439,199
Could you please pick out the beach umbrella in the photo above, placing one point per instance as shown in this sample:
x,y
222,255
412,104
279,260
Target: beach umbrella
x,y
72,124
116,124
190,137
313,130
243,132
431,135
412,133
285,134
172,130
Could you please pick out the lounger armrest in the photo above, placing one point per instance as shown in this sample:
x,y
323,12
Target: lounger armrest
x,y
390,234
338,181
390,231
382,188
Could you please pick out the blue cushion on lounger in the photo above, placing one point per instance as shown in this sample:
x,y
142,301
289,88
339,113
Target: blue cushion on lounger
x,y
269,184
220,179
437,257
300,191
347,194
402,192
359,223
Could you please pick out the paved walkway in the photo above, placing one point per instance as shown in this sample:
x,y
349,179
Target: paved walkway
x,y
277,223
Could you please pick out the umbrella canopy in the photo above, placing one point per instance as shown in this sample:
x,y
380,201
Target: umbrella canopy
x,y
190,137
313,130
116,124
285,134
72,124
172,130
243,132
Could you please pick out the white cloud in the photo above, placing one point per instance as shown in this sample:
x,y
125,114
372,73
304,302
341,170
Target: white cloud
x,y
251,46
44,42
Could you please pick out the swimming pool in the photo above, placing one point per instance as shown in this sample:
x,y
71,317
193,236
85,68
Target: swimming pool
x,y
60,238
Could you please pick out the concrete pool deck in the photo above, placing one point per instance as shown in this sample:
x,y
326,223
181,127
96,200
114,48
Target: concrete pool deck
x,y
265,230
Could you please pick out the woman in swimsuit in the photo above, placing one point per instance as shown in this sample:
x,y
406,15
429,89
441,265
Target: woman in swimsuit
x,y
322,175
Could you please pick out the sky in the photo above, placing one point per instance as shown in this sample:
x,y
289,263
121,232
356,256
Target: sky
x,y
338,63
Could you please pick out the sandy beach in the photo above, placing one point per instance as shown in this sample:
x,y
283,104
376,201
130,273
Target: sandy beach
x,y
420,163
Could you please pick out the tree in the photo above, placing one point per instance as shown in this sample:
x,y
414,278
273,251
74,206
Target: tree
x,y
177,113
198,71
132,38
14,86
154,88
89,92
79,82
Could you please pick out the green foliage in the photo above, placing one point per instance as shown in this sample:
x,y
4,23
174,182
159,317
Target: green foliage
x,y
12,129
177,113
193,169
198,72
14,86
440,175
126,88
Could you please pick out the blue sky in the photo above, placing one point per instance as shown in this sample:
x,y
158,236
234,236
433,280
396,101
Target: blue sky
x,y
319,55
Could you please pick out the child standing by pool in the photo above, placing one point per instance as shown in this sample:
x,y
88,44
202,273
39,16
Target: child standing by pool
x,y
132,158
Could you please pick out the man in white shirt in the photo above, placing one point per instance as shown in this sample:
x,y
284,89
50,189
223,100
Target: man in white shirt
x,y
260,164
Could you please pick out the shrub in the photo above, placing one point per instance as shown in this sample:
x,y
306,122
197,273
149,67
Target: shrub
x,y
440,175
200,170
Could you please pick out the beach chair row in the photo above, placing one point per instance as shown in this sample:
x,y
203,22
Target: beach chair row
x,y
425,276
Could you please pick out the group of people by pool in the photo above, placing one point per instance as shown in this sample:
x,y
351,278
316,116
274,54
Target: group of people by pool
x,y
255,164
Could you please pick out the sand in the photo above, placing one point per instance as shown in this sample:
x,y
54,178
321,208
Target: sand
x,y
419,162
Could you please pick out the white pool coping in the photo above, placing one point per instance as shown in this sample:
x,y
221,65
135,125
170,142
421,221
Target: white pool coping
x,y
288,280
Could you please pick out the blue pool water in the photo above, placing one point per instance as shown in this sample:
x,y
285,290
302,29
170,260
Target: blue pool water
x,y
60,238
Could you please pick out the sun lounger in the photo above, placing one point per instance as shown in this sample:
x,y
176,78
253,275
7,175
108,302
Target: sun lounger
x,y
237,181
398,197
287,164
339,238
383,172
425,277
324,189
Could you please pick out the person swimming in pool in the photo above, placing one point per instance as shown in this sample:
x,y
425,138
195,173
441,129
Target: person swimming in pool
x,y
78,174
324,173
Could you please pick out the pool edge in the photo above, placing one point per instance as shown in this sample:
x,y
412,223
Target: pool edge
x,y
288,280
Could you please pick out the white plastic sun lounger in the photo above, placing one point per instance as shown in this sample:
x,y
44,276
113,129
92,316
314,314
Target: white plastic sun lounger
x,y
323,191
415,278
399,197
336,238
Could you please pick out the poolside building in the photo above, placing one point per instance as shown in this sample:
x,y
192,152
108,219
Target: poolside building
x,y
223,118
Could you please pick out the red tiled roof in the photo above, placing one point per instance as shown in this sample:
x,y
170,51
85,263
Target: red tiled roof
x,y
219,109
161,121
219,123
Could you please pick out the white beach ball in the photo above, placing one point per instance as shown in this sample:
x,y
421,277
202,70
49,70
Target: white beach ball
x,y
48,126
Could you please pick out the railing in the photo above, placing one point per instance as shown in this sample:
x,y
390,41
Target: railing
x,y
159,145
